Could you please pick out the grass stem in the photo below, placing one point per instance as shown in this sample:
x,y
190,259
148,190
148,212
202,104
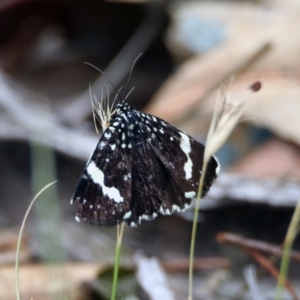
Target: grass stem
x,y
225,117
120,233
20,239
288,242
194,230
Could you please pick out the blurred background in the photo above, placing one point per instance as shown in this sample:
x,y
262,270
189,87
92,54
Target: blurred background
x,y
192,51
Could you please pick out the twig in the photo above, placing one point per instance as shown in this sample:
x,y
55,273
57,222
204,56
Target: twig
x,y
21,117
269,266
251,244
205,263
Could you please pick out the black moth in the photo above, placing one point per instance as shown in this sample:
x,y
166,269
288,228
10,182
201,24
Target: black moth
x,y
142,167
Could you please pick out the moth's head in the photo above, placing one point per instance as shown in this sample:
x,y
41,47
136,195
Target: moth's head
x,y
120,108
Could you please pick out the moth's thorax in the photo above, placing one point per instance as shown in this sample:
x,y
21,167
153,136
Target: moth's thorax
x,y
120,109
127,122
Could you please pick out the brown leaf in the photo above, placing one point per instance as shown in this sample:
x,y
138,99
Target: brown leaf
x,y
41,281
275,159
243,50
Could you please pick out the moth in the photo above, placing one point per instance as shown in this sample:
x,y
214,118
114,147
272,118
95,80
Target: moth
x,y
142,167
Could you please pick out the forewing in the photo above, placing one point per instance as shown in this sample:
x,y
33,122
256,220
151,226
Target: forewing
x,y
171,196
180,154
145,201
104,189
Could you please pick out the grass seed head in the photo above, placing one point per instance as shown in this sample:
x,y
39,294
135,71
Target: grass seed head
x,y
227,113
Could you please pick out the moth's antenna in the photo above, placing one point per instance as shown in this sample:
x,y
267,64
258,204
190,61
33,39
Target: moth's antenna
x,y
94,108
134,63
129,93
118,93
103,73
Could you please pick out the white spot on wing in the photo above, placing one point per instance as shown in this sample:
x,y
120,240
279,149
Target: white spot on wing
x,y
186,148
127,215
164,211
98,177
218,166
186,206
144,217
190,195
77,219
102,144
107,135
176,208
113,146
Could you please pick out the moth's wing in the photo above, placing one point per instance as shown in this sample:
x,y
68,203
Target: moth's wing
x,y
145,201
105,187
171,196
154,191
180,154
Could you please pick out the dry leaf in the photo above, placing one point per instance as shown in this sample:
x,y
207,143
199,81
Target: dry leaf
x,y
276,106
41,281
260,163
201,74
8,246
